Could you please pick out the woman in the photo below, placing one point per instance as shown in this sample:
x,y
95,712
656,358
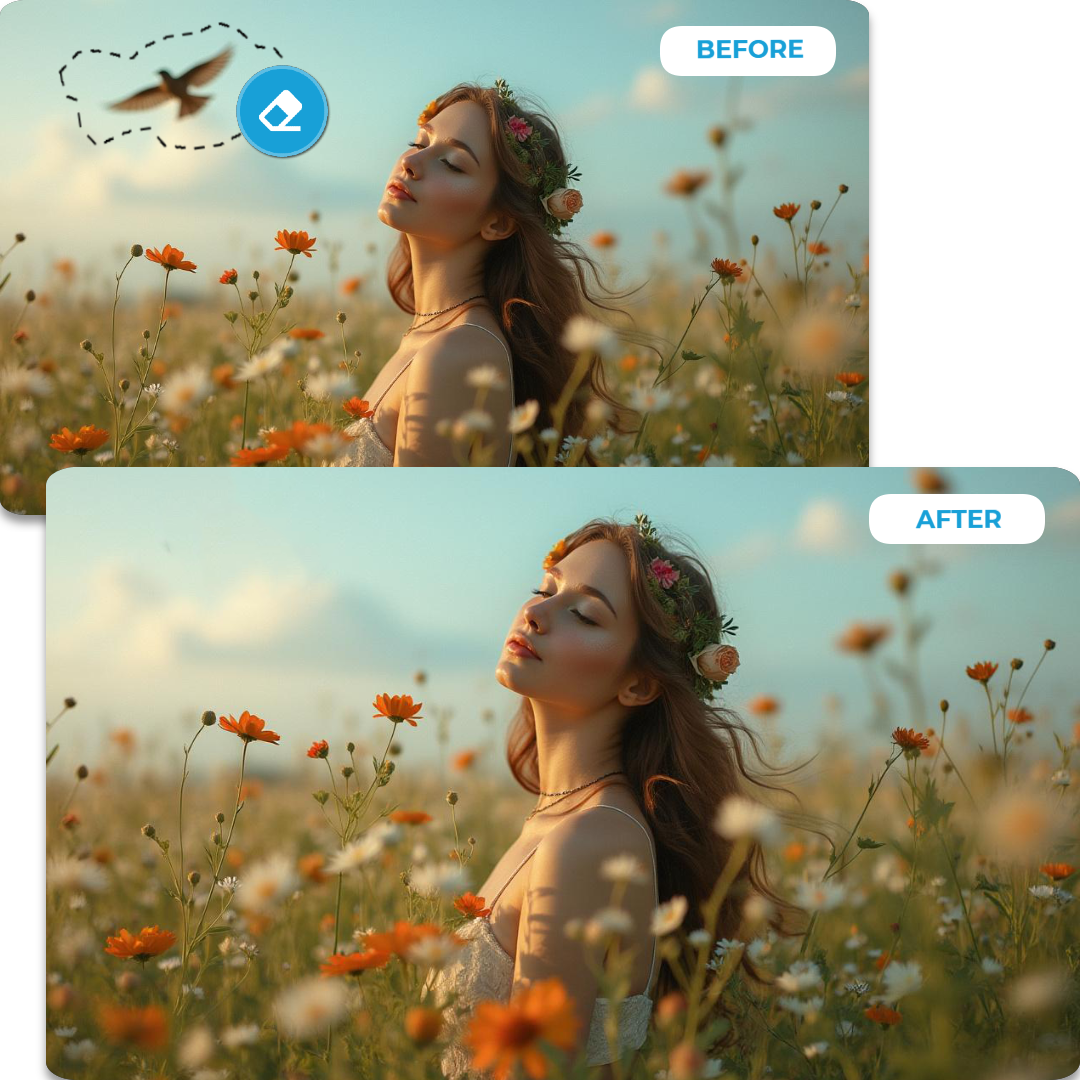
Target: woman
x,y
480,198
615,658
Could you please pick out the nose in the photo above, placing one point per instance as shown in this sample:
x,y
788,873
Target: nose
x,y
409,166
531,620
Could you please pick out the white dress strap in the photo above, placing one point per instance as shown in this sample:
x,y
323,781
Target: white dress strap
x,y
656,885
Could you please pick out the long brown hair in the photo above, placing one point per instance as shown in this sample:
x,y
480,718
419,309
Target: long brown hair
x,y
683,756
535,281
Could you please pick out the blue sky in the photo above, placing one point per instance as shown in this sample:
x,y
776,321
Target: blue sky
x,y
628,124
301,594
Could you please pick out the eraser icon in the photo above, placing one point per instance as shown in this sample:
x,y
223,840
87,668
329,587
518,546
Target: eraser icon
x,y
289,104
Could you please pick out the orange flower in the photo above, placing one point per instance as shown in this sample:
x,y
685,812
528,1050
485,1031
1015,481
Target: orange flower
x,y
171,258
397,708
862,638
65,268
354,963
462,760
909,739
223,376
882,1014
429,110
763,705
398,941
930,482
87,438
20,336
252,789
306,333
727,270
794,851
146,1028
686,182
558,550
423,1025
319,749
70,820
296,243
786,211
850,378
170,310
358,407
350,285
228,277
628,362
249,727
471,905
311,865
124,738
501,1036
603,239
982,672
1057,870
1020,716
297,436
150,941
818,248
410,817
258,455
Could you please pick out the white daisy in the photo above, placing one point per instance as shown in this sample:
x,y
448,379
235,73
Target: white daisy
x,y
801,975
820,895
470,423
719,461
82,1050
438,879
353,856
240,1035
522,416
308,1007
266,884
815,1049
669,916
625,868
487,376
650,399
21,382
434,951
67,872
636,461
262,363
582,334
902,979
739,817
328,386
800,1007
185,391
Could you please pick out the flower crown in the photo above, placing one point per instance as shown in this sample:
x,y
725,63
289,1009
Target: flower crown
x,y
713,662
559,202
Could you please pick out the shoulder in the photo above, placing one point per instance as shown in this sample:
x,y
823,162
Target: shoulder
x,y
575,848
444,362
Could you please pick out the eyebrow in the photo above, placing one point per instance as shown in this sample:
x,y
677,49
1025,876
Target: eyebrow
x,y
455,142
555,572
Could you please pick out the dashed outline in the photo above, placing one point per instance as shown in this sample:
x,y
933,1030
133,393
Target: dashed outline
x,y
165,37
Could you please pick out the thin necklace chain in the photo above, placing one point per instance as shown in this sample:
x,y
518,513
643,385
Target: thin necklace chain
x,y
564,794
436,314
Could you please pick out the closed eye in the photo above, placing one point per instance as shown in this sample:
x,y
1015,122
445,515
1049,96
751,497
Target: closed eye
x,y
443,160
540,592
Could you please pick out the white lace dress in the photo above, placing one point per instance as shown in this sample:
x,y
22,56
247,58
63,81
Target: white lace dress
x,y
483,970
368,448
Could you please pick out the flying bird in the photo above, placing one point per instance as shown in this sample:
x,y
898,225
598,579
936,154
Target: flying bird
x,y
176,88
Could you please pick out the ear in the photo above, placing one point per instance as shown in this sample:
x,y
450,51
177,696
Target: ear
x,y
639,690
498,227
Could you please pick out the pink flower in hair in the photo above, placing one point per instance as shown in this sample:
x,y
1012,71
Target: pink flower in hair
x,y
519,128
664,572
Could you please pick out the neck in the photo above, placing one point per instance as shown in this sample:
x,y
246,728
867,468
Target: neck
x,y
443,275
572,748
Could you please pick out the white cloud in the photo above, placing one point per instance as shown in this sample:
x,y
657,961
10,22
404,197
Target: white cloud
x,y
655,90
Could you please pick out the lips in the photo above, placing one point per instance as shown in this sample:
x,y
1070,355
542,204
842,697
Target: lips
x,y
517,639
400,189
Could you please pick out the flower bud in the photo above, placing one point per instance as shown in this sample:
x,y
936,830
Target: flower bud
x,y
86,344
1049,645
136,250
208,718
357,353
843,189
146,335
20,237
451,798
143,353
717,135
82,772
815,204
194,877
231,316
899,582
219,817
350,747
255,274
347,771
69,703
1016,663
943,705
253,294
340,316
30,296
215,839
321,797
754,239
149,831
124,384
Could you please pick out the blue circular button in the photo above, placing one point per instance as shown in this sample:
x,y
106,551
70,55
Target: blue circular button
x,y
282,111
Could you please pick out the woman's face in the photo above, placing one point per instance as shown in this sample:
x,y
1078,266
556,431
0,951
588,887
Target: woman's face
x,y
450,173
582,640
